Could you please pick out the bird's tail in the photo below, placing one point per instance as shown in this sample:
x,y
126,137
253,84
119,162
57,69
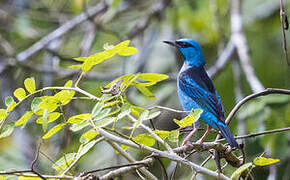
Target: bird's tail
x,y
227,135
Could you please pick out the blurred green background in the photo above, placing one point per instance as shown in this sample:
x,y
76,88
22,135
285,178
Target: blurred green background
x,y
146,24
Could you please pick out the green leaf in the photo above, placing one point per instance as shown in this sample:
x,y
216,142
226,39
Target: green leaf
x,y
104,122
145,139
51,117
145,91
24,118
78,126
87,147
102,114
263,161
87,136
7,130
173,136
19,93
189,119
45,120
34,104
125,110
29,84
79,118
3,114
8,101
241,169
162,134
53,130
64,161
97,109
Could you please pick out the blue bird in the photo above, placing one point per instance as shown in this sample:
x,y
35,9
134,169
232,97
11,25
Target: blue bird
x,y
195,88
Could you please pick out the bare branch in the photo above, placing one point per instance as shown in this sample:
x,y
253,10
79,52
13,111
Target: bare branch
x,y
159,153
100,8
252,96
284,26
240,43
127,168
222,59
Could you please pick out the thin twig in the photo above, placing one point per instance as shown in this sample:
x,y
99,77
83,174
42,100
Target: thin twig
x,y
100,8
283,19
252,96
222,59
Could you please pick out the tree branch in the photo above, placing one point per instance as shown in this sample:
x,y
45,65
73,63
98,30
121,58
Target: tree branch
x,y
252,96
100,8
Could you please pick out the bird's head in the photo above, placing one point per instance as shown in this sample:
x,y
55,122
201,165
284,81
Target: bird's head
x,y
190,50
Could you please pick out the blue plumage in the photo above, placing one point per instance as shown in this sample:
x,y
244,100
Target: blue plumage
x,y
195,88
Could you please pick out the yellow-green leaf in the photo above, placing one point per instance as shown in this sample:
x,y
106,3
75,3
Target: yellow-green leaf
x,y
64,161
78,66
10,103
122,44
12,106
33,178
79,118
29,84
127,51
162,134
173,136
3,114
2,177
51,117
263,161
145,91
145,139
189,119
24,118
49,103
68,83
53,130
19,93
64,96
241,169
124,78
151,78
87,136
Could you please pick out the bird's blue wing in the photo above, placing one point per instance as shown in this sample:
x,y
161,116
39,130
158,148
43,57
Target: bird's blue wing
x,y
198,86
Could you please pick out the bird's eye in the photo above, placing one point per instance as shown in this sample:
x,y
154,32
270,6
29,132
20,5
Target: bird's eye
x,y
184,44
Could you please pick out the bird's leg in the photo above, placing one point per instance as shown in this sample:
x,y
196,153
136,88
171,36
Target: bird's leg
x,y
204,135
187,138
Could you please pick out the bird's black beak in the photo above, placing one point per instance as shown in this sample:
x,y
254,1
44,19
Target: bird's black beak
x,y
172,43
